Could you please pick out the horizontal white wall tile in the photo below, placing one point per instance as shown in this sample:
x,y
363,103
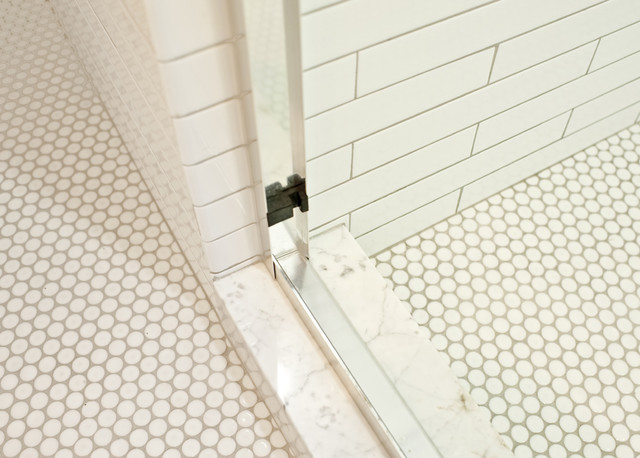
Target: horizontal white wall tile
x,y
430,188
421,163
219,176
210,132
561,36
226,215
477,106
616,46
328,170
604,105
525,142
180,30
363,189
232,249
329,85
376,111
330,33
545,157
459,36
409,224
307,6
200,80
557,101
479,63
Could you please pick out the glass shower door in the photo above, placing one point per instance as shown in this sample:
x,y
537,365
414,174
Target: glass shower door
x,y
277,84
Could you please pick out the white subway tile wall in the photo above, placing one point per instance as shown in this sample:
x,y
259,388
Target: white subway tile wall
x,y
329,85
171,77
329,170
226,215
516,171
210,132
453,101
560,36
607,104
219,176
371,113
200,80
617,45
180,31
208,93
308,6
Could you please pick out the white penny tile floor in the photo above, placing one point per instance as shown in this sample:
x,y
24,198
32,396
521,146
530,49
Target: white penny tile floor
x,y
108,345
533,297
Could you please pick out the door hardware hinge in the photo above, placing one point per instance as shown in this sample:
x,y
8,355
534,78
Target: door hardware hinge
x,y
281,200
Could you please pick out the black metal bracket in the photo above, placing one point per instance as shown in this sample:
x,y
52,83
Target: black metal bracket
x,y
281,200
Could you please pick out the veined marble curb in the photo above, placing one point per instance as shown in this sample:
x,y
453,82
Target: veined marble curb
x,y
312,406
421,375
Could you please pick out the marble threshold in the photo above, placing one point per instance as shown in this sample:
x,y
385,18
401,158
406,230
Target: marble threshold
x,y
420,374
302,390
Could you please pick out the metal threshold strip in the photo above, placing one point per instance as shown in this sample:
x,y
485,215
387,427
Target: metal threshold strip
x,y
371,389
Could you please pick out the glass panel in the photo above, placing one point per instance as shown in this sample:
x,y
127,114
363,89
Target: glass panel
x,y
277,98
485,156
274,55
473,178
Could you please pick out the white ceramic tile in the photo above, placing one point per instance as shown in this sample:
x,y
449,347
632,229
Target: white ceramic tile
x,y
178,30
545,157
481,104
329,85
557,101
200,80
616,46
604,105
561,36
329,170
219,176
234,248
377,183
349,26
525,142
418,194
226,215
443,42
307,6
386,235
376,111
208,133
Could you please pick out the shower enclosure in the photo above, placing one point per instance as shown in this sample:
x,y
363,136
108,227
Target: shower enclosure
x,y
470,257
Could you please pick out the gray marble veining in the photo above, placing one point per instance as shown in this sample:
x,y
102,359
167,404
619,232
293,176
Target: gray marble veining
x,y
421,375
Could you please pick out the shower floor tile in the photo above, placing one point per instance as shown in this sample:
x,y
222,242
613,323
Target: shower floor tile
x,y
533,297
108,345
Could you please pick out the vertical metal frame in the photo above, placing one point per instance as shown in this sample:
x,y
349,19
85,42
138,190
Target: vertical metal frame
x,y
291,14
374,393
